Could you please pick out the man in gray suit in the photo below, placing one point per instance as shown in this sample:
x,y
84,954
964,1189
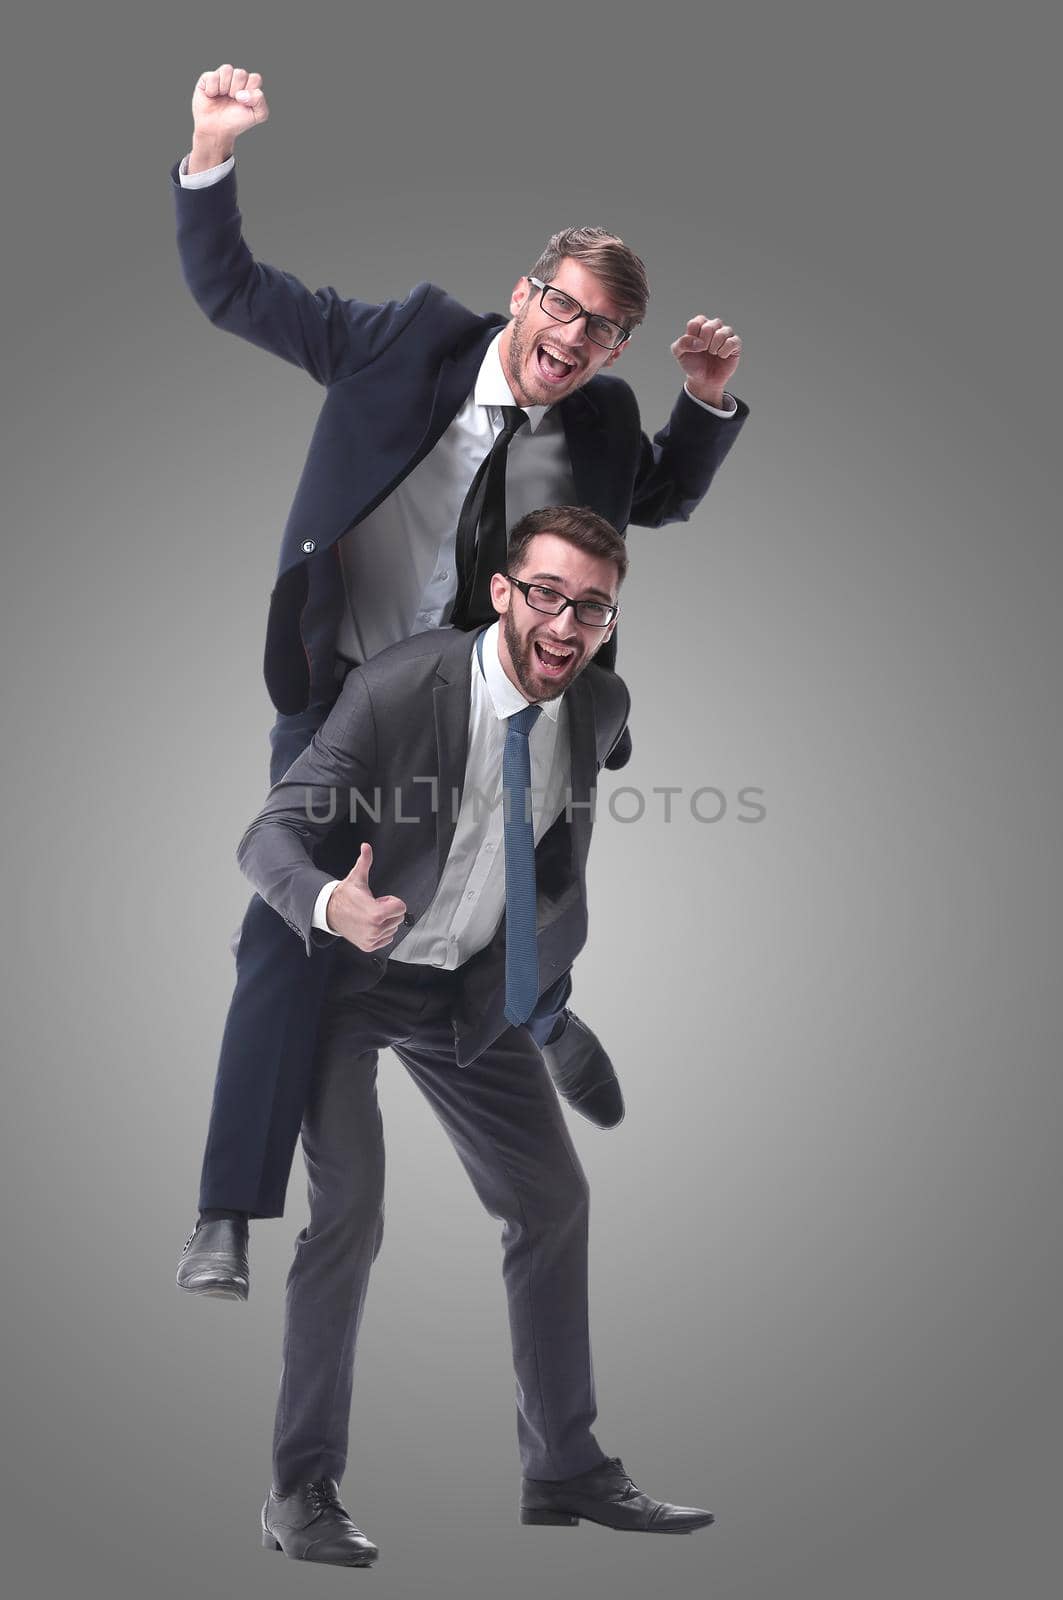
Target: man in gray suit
x,y
466,766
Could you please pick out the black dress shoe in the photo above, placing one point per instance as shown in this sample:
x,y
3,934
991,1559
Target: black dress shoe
x,y
214,1261
607,1495
583,1073
310,1524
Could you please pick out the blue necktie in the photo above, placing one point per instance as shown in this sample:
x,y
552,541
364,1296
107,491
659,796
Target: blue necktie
x,y
522,950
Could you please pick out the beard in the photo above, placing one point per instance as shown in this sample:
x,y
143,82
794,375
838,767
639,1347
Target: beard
x,y
519,357
522,655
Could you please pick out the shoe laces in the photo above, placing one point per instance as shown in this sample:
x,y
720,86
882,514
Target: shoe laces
x,y
619,1471
191,1236
320,1494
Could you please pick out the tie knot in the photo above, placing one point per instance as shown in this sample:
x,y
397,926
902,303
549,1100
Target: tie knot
x,y
524,721
513,419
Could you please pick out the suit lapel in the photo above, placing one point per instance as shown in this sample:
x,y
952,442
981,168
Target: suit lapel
x,y
457,375
575,819
584,765
450,698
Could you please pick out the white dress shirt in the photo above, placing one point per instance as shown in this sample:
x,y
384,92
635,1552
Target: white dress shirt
x,y
470,898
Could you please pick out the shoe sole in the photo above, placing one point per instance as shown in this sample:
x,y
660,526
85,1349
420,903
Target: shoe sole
x,y
216,1291
270,1543
566,1519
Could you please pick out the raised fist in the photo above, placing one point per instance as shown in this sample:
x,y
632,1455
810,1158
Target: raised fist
x,y
708,352
225,104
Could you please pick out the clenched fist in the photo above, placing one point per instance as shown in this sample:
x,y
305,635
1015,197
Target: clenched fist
x,y
225,104
708,353
354,912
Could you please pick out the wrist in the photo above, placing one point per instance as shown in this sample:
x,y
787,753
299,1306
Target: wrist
x,y
329,908
708,397
208,152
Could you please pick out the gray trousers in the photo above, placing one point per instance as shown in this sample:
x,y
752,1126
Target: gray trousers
x,y
504,1120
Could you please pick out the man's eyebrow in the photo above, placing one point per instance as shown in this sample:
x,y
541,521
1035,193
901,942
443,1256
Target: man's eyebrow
x,y
606,316
537,577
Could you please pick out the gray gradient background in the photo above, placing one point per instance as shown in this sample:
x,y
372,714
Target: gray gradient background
x,y
826,1286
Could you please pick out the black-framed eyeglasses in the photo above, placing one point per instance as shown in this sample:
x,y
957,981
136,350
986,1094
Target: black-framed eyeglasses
x,y
562,307
592,613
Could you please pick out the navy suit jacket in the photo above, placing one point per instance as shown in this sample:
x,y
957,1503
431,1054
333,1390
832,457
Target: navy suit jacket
x,y
395,376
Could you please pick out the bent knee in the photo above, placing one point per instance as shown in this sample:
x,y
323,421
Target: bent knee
x,y
351,1209
558,1200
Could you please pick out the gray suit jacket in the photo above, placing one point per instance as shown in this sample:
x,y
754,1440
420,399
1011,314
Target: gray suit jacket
x,y
396,740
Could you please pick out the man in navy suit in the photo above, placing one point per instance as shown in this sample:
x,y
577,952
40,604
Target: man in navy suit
x,y
425,400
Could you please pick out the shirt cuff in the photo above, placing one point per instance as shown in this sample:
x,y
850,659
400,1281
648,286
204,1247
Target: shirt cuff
x,y
319,920
203,180
704,404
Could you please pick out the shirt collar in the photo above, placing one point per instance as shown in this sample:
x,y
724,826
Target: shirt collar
x,y
492,386
506,698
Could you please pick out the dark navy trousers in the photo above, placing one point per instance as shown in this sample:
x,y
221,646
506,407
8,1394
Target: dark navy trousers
x,y
267,1051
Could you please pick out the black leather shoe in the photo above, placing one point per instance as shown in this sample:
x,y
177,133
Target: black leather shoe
x,y
607,1495
214,1261
583,1074
310,1524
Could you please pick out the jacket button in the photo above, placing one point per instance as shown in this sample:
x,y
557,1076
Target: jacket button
x,y
309,547
407,920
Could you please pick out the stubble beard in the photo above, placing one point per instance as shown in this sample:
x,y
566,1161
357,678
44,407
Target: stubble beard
x,y
518,357
522,656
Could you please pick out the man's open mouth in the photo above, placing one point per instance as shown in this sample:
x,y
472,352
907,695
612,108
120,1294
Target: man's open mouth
x,y
553,365
554,659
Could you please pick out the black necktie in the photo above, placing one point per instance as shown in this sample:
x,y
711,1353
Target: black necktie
x,y
482,529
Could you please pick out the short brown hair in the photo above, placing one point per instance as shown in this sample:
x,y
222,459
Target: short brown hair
x,y
579,525
609,258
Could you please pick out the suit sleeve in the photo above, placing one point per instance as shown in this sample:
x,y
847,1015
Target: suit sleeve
x,y
677,466
328,336
275,852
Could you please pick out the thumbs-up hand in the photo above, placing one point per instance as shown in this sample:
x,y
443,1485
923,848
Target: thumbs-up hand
x,y
355,913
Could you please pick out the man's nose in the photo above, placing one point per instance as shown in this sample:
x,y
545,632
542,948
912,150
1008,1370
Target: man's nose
x,y
575,332
564,625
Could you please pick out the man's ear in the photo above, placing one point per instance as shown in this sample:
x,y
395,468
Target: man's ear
x,y
500,593
521,290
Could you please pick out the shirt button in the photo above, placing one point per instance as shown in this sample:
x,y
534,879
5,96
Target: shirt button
x,y
471,895
309,547
444,576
